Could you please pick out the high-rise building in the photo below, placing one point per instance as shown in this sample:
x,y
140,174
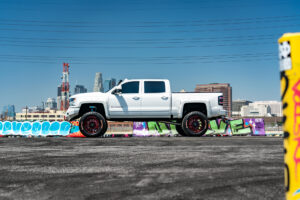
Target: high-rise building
x,y
113,82
80,89
98,85
51,104
58,100
223,88
109,84
8,112
106,85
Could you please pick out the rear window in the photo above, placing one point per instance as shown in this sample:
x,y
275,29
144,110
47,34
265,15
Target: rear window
x,y
155,87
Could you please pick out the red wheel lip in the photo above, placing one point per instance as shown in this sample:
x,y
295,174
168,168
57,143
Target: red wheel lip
x,y
88,122
195,118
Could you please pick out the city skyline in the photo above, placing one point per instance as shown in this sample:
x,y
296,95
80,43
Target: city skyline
x,y
188,42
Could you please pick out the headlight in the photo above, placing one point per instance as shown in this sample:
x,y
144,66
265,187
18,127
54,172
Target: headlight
x,y
72,101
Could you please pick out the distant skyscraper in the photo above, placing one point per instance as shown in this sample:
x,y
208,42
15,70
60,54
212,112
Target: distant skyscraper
x,y
113,82
59,91
109,84
223,88
98,85
106,85
79,89
51,104
9,112
58,97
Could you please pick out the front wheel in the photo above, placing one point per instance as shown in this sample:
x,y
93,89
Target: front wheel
x,y
195,124
180,130
92,124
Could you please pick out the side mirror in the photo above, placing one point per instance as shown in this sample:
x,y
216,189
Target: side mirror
x,y
117,91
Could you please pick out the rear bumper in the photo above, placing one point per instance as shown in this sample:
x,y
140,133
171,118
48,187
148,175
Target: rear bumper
x,y
71,113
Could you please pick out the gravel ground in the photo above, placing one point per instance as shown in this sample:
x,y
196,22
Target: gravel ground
x,y
142,168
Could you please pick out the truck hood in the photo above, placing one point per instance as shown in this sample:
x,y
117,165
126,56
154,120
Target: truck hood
x,y
90,97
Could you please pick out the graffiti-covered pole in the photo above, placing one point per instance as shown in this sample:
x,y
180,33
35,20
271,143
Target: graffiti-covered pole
x,y
289,51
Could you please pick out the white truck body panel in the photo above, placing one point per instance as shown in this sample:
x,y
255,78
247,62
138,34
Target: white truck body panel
x,y
145,104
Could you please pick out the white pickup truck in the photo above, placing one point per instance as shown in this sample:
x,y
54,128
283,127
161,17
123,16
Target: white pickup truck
x,y
145,100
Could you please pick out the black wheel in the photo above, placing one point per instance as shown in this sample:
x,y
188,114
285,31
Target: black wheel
x,y
195,124
92,124
180,131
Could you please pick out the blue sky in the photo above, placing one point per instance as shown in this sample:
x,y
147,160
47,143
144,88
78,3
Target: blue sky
x,y
188,41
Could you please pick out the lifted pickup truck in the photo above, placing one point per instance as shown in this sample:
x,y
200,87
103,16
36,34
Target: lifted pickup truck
x,y
145,100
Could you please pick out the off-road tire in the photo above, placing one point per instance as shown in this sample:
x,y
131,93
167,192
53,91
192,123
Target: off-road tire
x,y
180,131
194,124
92,124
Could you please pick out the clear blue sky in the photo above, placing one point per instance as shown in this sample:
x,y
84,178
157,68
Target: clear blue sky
x,y
188,41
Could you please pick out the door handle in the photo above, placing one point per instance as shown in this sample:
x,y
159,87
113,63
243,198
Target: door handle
x,y
164,97
136,98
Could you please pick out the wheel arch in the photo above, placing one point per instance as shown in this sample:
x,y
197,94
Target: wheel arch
x,y
189,107
87,107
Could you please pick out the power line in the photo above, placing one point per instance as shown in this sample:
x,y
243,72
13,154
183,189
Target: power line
x,y
139,47
254,54
141,60
249,19
150,32
137,42
139,63
204,39
151,7
196,23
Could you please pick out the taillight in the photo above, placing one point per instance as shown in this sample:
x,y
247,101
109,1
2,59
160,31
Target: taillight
x,y
220,100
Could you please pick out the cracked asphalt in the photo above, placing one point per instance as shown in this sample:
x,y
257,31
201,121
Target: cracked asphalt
x,y
142,168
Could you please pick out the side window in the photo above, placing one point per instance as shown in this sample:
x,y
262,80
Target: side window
x,y
131,87
155,87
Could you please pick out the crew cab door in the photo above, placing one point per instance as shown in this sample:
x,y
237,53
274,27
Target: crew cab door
x,y
156,100
127,103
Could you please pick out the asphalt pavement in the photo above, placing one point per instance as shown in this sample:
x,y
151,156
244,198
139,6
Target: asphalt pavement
x,y
142,168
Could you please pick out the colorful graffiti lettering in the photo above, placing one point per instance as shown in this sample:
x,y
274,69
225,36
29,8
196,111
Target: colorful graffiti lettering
x,y
289,48
218,127
35,128
248,126
296,98
153,129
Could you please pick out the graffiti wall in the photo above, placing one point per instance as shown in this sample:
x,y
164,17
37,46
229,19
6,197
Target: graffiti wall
x,y
114,128
289,49
153,129
35,128
248,126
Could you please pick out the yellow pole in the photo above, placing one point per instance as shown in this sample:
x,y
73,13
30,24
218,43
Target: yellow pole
x,y
289,56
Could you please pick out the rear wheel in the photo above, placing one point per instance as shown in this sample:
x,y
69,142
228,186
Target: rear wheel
x,y
92,124
195,124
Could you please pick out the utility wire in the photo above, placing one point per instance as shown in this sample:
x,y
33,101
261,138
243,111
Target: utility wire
x,y
203,39
138,47
192,23
151,32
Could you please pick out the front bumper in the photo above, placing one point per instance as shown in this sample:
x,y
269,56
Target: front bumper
x,y
72,112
